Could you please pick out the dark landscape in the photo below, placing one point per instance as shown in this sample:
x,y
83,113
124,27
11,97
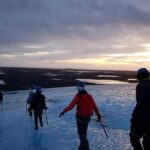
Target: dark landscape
x,y
12,79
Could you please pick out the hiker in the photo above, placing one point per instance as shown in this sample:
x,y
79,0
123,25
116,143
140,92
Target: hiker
x,y
37,105
85,106
1,99
30,97
140,121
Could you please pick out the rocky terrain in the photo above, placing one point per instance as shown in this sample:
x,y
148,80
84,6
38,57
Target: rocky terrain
x,y
24,78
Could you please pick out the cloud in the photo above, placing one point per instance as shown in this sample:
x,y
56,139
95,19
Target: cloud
x,y
81,29
37,20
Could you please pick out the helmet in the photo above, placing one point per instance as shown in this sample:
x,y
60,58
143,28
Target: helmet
x,y
33,86
38,89
80,86
142,73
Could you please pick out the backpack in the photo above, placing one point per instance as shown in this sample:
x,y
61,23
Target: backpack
x,y
38,103
30,97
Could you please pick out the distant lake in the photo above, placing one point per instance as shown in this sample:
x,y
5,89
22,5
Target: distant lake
x,y
102,81
108,76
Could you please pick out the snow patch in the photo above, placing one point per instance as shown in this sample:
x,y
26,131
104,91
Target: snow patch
x,y
1,72
115,102
2,82
50,74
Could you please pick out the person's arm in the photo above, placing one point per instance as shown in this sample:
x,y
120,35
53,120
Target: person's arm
x,y
70,106
95,108
140,99
140,94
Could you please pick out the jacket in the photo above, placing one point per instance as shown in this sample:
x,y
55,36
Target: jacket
x,y
85,105
1,96
141,113
38,103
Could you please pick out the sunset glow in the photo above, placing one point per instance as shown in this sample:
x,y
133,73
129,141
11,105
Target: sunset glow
x,y
86,34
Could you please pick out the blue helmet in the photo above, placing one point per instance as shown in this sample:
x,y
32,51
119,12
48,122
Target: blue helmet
x,y
38,89
80,86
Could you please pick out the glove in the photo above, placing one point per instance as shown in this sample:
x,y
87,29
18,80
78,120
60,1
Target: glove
x,y
61,114
99,118
45,108
30,112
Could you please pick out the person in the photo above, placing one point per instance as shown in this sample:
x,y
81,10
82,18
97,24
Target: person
x,y
140,120
37,105
30,97
1,99
85,106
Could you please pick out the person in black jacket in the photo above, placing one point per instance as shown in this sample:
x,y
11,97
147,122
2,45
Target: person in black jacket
x,y
1,99
140,121
37,105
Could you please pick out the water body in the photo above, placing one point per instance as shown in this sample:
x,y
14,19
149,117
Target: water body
x,y
103,81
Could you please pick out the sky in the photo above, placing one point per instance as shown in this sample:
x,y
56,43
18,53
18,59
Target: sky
x,y
81,34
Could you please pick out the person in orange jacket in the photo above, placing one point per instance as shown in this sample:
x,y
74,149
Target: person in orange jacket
x,y
84,110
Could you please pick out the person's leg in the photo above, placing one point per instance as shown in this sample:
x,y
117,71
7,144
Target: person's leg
x,y
82,132
36,120
146,141
40,119
135,141
30,112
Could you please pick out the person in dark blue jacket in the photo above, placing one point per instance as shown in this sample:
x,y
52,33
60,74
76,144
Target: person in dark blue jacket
x,y
140,121
37,105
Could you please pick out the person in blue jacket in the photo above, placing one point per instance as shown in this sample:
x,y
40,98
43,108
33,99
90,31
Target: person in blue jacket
x,y
140,120
30,98
37,105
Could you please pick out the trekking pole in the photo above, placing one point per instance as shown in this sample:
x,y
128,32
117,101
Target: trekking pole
x,y
46,117
104,129
26,108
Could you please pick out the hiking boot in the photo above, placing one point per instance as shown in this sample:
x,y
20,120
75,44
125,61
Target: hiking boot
x,y
82,148
36,128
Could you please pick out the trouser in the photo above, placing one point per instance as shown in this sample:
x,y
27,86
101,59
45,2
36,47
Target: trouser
x,y
38,116
135,141
82,126
29,111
